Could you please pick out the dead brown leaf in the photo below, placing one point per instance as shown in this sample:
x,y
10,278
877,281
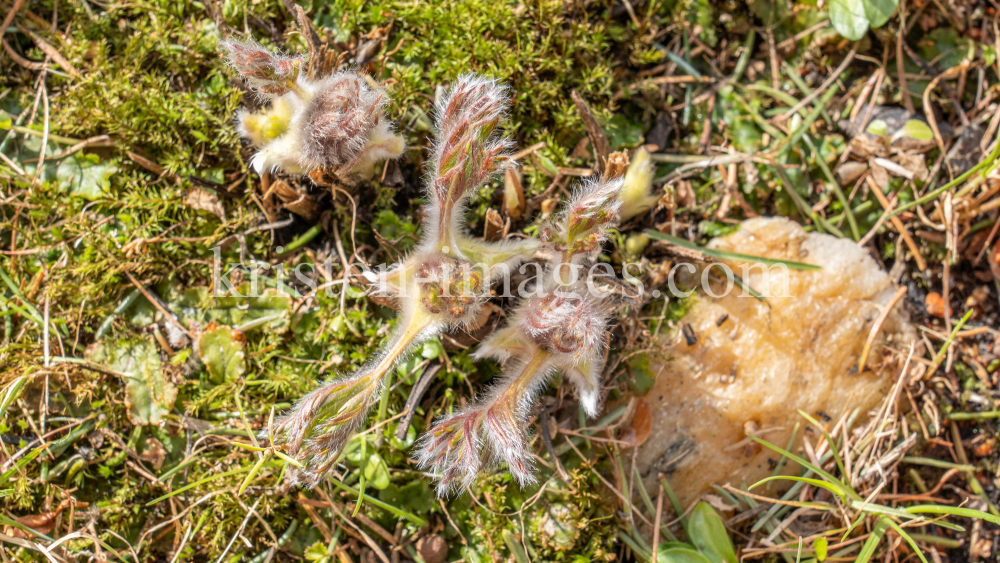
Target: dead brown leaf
x,y
204,200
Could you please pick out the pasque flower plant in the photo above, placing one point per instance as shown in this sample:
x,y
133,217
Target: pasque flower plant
x,y
338,123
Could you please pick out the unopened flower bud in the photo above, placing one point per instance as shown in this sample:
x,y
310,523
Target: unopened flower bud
x,y
636,196
266,72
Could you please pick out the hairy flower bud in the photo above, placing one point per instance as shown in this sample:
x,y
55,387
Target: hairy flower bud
x,y
584,222
490,432
468,152
345,123
265,72
565,323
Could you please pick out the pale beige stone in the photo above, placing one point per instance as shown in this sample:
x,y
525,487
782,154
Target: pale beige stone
x,y
755,364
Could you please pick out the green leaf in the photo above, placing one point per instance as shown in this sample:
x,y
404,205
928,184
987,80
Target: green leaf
x,y
622,132
256,307
432,349
149,395
10,392
817,470
377,472
878,127
406,442
220,348
85,176
879,11
418,521
415,496
5,121
819,546
681,556
848,18
547,164
708,534
916,129
913,545
317,552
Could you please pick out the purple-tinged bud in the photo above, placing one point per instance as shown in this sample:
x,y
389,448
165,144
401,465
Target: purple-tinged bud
x,y
469,150
489,432
344,122
265,72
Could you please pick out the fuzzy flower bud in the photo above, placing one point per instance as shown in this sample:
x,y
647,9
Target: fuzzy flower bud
x,y
265,72
344,125
469,150
491,432
569,324
581,228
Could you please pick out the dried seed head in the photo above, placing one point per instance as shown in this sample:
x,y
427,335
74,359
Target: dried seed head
x,y
265,72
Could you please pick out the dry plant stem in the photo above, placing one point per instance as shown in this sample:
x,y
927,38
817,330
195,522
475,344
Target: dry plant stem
x,y
863,360
11,14
601,147
970,476
898,224
900,60
159,306
879,78
51,52
928,108
656,525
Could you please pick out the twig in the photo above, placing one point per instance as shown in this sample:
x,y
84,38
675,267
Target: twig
x,y
900,61
51,52
239,531
156,303
601,147
910,243
414,399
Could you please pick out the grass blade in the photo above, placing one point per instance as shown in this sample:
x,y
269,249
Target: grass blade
x,y
819,471
954,511
197,484
899,530
829,440
727,255
383,505
872,542
814,482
